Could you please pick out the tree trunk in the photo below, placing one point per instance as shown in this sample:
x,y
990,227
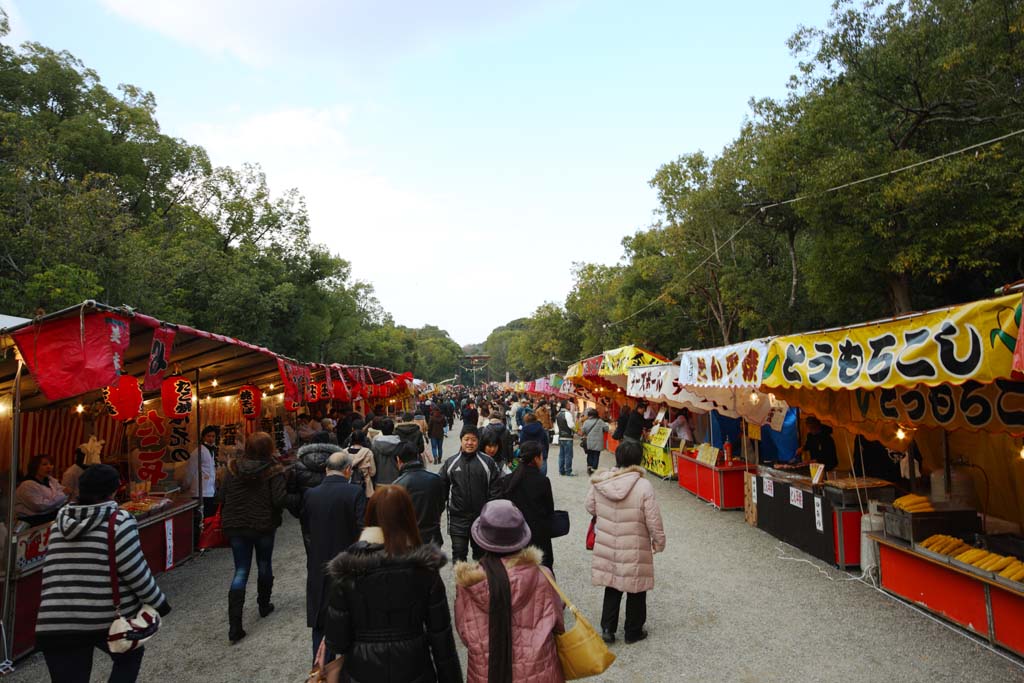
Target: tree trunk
x,y
899,293
791,245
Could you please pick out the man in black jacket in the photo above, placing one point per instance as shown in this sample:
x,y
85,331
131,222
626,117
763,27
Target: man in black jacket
x,y
409,432
468,479
333,512
427,494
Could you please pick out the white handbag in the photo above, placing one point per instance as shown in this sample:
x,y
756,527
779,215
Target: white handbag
x,y
126,634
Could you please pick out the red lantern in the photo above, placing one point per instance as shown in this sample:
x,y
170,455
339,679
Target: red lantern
x,y
124,400
250,399
312,392
292,406
176,397
327,391
340,394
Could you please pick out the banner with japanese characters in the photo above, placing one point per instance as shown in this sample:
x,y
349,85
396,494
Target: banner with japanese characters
x,y
736,365
619,361
974,342
161,447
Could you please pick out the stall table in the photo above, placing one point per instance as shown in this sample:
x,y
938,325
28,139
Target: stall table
x,y
983,606
720,485
166,533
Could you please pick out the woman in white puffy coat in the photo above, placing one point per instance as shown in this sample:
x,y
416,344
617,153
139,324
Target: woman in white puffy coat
x,y
628,533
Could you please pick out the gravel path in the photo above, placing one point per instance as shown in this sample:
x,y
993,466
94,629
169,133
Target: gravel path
x,y
726,608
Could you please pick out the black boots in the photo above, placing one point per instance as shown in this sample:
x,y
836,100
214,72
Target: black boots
x,y
236,601
264,587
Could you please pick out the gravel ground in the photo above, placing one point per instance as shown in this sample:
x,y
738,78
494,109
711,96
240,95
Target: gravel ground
x,y
727,607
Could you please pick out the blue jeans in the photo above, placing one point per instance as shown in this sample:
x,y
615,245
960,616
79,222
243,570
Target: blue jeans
x,y
437,448
544,466
565,456
242,549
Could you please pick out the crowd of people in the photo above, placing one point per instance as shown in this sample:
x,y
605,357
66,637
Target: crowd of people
x,y
369,492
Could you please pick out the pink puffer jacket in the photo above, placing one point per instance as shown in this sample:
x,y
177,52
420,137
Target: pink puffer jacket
x,y
628,530
536,617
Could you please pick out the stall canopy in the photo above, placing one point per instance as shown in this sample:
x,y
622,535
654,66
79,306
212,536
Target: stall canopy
x,y
660,384
943,379
728,378
609,372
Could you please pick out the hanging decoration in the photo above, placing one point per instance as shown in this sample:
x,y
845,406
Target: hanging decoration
x,y
124,399
176,396
291,406
250,400
327,390
312,392
159,358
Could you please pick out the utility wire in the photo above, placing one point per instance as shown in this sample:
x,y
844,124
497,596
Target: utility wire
x,y
801,198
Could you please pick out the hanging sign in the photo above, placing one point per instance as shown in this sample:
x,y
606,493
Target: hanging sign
x,y
168,544
819,522
327,390
250,399
294,378
619,361
159,358
312,392
973,342
123,400
796,497
176,396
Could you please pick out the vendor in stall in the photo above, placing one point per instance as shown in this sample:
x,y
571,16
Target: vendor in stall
x,y
70,479
39,496
682,429
207,454
872,459
819,445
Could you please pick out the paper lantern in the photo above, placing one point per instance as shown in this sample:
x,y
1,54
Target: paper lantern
x,y
292,406
250,399
123,400
340,393
312,392
176,396
326,391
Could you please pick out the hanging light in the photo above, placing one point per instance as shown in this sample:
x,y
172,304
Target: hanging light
x,y
271,386
79,409
900,434
754,398
1022,452
213,383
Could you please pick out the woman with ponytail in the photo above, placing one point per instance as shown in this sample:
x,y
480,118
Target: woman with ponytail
x,y
506,612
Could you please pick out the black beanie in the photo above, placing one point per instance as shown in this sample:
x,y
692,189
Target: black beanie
x,y
98,482
469,429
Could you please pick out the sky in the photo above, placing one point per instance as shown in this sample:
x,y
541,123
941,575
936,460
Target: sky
x,y
462,155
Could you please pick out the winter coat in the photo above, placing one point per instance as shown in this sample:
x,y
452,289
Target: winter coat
x,y
307,472
333,512
628,530
364,468
385,457
635,426
34,498
544,417
389,615
76,597
253,495
436,426
427,493
534,431
469,480
536,617
532,495
593,431
410,432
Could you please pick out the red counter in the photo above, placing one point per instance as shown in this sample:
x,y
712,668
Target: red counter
x,y
170,529
722,486
980,605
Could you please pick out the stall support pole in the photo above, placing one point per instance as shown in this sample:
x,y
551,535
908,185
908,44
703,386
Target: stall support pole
x,y
12,545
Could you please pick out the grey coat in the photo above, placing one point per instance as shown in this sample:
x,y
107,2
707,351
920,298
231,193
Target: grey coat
x,y
593,431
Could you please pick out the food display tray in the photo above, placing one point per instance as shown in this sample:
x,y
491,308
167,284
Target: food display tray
x,y
971,568
938,557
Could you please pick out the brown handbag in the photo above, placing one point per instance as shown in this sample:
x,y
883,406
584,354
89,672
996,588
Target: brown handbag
x,y
325,673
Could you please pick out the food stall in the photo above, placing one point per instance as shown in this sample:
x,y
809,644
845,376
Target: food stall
x,y
942,384
133,392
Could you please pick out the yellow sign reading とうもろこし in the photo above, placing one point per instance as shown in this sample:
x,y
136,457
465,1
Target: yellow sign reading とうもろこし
x,y
972,342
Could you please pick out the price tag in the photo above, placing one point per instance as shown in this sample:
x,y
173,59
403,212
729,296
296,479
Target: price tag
x,y
753,491
796,497
768,487
169,543
819,523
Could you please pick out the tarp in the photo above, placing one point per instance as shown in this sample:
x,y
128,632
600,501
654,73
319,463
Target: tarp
x,y
736,365
973,342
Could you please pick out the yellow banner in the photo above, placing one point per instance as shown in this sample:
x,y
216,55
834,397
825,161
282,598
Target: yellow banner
x,y
619,361
657,460
971,342
659,436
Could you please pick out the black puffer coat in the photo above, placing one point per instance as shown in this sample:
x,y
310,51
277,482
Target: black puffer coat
x,y
389,616
307,472
253,494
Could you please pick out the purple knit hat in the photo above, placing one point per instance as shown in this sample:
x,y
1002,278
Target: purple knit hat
x,y
500,528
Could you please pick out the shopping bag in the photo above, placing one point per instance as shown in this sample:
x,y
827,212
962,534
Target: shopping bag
x,y
581,650
213,532
591,533
559,523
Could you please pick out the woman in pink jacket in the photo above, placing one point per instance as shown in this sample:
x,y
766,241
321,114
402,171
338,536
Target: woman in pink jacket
x,y
506,612
628,533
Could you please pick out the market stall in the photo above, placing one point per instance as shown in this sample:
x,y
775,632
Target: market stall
x,y
938,389
134,392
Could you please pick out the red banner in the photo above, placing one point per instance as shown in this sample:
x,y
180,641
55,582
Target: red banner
x,y
159,358
72,356
295,380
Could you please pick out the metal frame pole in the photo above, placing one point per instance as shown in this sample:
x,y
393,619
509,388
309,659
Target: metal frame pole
x,y
12,545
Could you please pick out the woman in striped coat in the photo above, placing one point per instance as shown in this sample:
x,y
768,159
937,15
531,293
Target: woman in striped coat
x,y
77,605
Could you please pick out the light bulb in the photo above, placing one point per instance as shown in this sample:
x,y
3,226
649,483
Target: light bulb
x,y
79,409
1022,452
213,383
900,434
754,398
271,386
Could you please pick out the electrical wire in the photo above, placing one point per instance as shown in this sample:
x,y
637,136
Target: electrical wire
x,y
820,193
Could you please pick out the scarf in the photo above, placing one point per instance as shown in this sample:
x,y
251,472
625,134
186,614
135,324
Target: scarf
x,y
499,623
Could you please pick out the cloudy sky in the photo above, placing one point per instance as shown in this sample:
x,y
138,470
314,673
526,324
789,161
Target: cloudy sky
x,y
452,150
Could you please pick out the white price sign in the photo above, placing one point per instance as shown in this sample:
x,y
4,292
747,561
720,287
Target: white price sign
x,y
796,497
753,491
819,523
769,487
169,543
